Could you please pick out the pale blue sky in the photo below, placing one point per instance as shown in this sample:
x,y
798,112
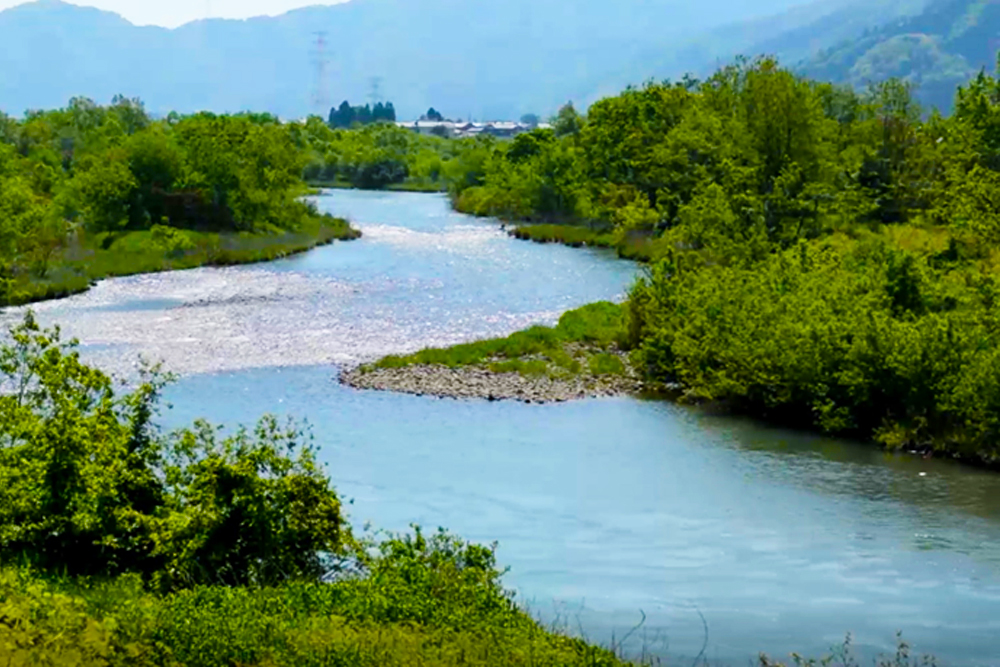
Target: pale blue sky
x,y
172,13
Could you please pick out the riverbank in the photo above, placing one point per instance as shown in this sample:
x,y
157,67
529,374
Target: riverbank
x,y
639,246
415,605
580,357
488,381
75,268
393,187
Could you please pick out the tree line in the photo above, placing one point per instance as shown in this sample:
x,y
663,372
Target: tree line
x,y
346,116
80,177
819,255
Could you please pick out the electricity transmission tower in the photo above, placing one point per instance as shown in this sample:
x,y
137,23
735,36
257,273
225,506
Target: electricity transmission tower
x,y
375,90
321,64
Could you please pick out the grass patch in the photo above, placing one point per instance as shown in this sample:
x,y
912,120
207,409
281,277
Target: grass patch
x,y
419,601
571,235
556,351
606,364
406,186
638,247
75,268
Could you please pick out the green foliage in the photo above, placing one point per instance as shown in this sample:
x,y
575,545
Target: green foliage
x,y
413,600
568,121
571,235
583,341
85,472
76,178
820,257
373,157
120,545
858,338
345,116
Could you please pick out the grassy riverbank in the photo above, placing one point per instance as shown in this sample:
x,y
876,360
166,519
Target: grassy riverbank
x,y
409,186
417,603
579,357
639,247
596,329
74,268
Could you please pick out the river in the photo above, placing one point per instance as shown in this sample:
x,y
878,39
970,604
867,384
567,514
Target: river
x,y
723,532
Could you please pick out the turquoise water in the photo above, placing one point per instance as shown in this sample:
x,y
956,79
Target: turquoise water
x,y
603,509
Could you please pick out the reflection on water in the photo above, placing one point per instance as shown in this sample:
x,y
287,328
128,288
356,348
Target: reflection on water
x,y
865,471
604,508
780,541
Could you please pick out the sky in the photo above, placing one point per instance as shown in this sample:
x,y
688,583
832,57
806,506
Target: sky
x,y
172,13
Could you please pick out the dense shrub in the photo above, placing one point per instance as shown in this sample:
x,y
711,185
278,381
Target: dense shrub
x,y
88,486
867,340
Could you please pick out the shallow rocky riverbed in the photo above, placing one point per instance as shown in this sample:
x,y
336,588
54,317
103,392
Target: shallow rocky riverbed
x,y
481,382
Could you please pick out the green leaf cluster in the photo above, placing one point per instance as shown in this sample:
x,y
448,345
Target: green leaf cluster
x,y
374,156
818,256
89,486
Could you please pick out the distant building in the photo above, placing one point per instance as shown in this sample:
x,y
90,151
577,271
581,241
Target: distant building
x,y
501,129
443,128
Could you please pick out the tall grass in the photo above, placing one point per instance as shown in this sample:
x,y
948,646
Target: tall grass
x,y
75,268
404,613
572,235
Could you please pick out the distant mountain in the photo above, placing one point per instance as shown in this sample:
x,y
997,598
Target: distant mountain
x,y
794,36
482,58
937,49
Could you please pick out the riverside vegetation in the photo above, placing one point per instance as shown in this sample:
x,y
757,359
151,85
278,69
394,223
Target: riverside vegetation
x,y
89,191
377,156
123,545
580,357
816,256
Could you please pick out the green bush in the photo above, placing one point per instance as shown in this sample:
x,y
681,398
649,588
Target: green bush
x,y
598,324
88,486
867,340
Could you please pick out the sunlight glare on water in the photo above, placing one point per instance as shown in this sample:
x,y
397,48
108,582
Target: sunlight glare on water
x,y
416,279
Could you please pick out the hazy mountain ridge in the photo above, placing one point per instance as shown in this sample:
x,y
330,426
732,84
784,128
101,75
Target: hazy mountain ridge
x,y
936,49
475,58
793,36
461,56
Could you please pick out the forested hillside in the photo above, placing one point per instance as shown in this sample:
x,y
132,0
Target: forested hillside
x,y
941,47
794,35
490,60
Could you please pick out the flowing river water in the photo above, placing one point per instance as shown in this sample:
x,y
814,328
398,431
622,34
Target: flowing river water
x,y
722,532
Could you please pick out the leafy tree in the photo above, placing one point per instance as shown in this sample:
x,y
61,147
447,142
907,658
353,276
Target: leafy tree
x,y
531,120
567,121
90,487
343,116
104,186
